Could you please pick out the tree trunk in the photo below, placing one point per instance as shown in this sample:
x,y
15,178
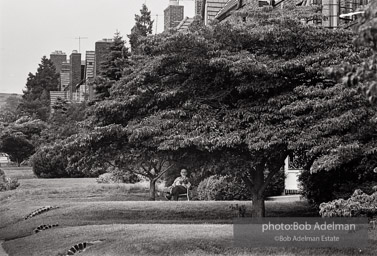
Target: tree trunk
x,y
258,208
152,189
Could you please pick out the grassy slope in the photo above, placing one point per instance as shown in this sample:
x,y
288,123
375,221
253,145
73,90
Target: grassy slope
x,y
153,239
139,227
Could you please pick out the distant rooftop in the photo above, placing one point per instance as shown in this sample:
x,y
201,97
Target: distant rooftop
x,y
58,52
108,40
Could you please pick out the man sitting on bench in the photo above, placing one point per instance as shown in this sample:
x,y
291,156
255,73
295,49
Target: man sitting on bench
x,y
180,186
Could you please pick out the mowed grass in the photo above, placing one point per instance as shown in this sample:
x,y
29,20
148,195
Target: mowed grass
x,y
18,172
155,239
127,224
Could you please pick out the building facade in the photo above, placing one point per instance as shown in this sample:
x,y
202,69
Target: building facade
x,y
75,75
173,15
198,7
65,76
90,58
102,48
58,57
331,9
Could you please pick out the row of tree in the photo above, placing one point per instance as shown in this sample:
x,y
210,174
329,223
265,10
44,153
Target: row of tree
x,y
28,125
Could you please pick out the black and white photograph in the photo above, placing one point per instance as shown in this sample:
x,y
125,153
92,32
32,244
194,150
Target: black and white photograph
x,y
188,127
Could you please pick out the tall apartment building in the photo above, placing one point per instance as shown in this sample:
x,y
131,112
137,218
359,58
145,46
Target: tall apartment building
x,y
65,76
198,7
102,48
173,15
58,57
90,58
75,77
332,9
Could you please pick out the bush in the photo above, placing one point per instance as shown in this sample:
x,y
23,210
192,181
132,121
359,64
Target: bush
x,y
359,204
222,188
108,178
114,175
231,188
50,162
125,177
7,183
327,186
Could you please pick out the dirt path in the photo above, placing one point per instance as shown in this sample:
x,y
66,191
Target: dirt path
x,y
2,252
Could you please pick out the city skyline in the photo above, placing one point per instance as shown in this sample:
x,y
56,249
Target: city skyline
x,y
30,30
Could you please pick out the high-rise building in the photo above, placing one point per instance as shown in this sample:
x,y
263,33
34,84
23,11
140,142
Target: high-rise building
x,y
58,57
90,59
198,7
75,61
65,76
102,49
173,15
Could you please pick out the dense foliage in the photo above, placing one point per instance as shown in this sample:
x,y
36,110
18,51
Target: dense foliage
x,y
20,138
142,28
221,188
114,175
36,98
226,93
359,204
7,183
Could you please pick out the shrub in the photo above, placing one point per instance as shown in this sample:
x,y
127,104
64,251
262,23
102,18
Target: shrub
x,y
114,175
231,188
7,183
217,188
48,162
359,204
123,176
108,178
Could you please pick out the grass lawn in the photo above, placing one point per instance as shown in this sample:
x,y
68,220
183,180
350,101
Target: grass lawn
x,y
122,222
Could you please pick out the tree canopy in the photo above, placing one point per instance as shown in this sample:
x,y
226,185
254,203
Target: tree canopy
x,y
221,93
36,98
142,28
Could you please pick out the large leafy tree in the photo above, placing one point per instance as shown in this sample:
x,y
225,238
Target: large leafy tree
x,y
36,98
338,148
219,94
142,28
9,113
20,138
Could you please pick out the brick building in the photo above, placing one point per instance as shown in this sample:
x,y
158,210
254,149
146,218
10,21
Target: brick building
x,y
173,15
102,48
58,57
75,77
65,76
90,58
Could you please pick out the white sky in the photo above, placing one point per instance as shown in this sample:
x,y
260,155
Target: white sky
x,y
30,29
